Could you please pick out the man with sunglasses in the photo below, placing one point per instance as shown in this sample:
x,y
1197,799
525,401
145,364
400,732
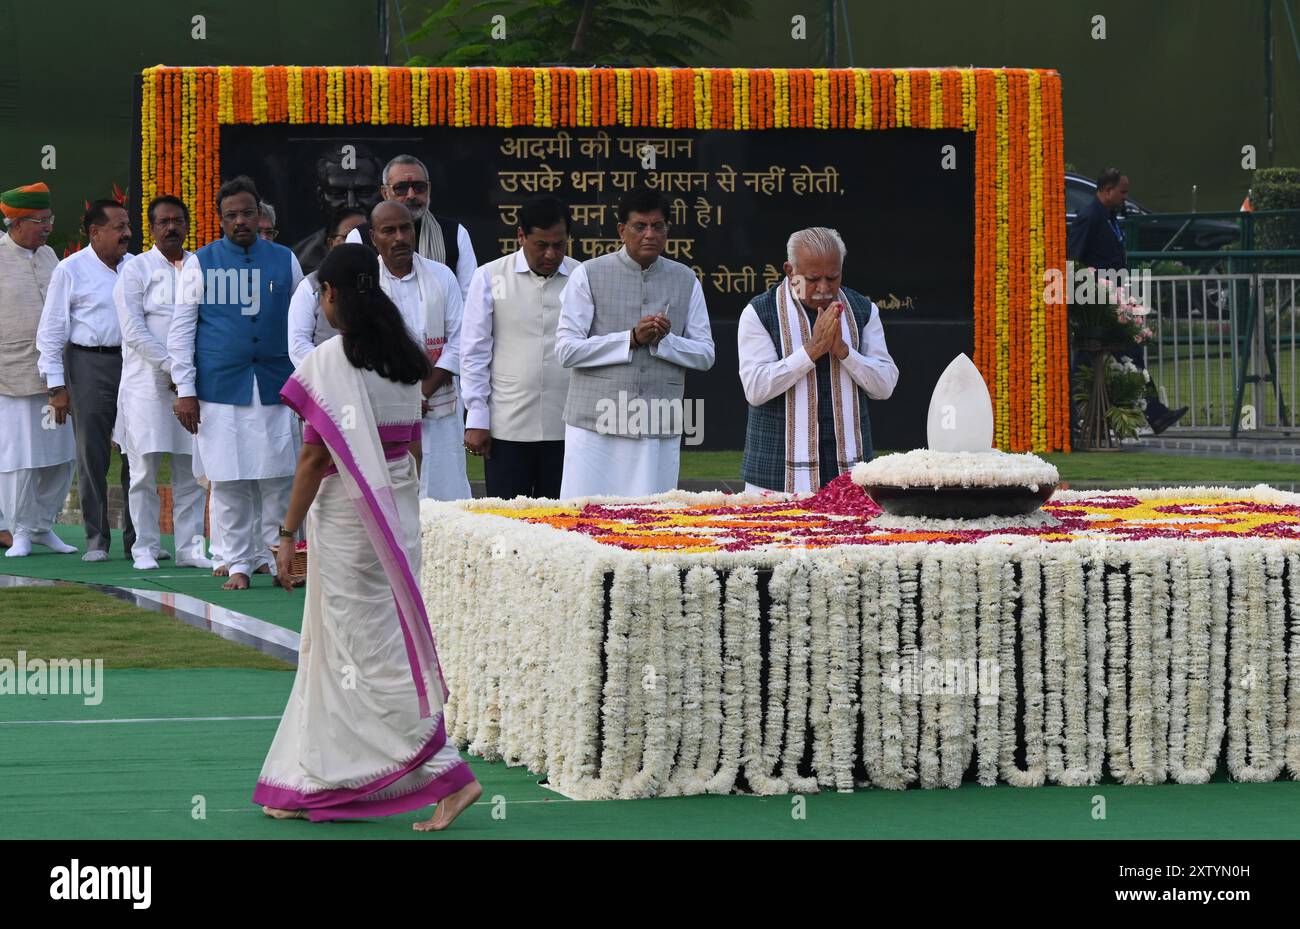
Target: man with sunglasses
x,y
37,453
631,323
438,238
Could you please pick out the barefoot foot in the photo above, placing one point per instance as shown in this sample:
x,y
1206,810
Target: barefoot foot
x,y
450,807
236,582
220,571
284,814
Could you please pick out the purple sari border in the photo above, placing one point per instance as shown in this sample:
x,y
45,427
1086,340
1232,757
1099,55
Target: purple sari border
x,y
444,785
420,648
287,798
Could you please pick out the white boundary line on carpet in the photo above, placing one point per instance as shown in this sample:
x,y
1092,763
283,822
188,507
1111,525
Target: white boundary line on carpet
x,y
251,808
142,719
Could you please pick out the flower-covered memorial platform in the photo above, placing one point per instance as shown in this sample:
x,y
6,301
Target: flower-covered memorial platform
x,y
694,643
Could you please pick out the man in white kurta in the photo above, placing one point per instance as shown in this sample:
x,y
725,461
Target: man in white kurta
x,y
146,294
427,295
308,326
36,454
514,387
631,323
228,373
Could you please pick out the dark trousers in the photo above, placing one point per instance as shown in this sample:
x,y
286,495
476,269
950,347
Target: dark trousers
x,y
93,378
524,469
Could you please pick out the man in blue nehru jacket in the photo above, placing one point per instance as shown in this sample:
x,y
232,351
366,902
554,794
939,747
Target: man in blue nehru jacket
x,y
229,352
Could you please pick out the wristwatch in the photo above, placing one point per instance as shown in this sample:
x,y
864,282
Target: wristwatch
x,y
285,533
54,390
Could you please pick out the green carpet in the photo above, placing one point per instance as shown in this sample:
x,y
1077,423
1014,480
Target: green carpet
x,y
263,599
141,780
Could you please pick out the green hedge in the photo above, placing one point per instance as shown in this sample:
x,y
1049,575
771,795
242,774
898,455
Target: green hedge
x,y
1277,189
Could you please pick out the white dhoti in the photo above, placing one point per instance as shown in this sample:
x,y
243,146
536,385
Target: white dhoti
x,y
249,454
442,471
214,531
36,465
248,514
32,498
188,502
598,465
149,429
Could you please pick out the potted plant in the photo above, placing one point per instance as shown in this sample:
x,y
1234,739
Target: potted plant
x,y
1111,322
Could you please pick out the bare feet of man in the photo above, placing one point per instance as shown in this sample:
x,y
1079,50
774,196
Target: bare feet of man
x,y
236,582
5,538
451,807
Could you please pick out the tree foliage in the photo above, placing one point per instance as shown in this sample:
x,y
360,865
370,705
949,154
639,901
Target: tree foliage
x,y
623,33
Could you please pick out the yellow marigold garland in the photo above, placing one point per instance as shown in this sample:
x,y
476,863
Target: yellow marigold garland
x,y
1001,415
182,111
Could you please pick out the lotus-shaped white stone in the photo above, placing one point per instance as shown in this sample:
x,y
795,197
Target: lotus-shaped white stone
x,y
961,413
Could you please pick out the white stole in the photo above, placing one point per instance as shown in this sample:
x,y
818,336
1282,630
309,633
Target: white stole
x,y
432,334
802,468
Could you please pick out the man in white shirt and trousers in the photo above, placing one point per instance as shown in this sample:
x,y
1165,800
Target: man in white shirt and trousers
x,y
438,238
146,295
308,326
36,453
427,295
632,322
81,358
811,353
229,351
514,387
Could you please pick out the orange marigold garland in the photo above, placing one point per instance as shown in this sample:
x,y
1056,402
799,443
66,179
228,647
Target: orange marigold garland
x,y
920,98
1020,341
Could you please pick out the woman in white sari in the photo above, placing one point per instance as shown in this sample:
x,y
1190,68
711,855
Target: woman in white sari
x,y
363,734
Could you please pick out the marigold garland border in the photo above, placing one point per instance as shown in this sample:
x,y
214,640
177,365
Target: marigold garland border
x,y
1015,114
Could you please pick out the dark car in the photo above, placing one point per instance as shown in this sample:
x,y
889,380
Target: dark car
x,y
1159,233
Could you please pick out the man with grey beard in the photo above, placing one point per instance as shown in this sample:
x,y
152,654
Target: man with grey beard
x,y
438,238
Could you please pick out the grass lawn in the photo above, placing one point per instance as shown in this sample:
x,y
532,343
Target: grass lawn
x,y
72,621
1116,467
1206,385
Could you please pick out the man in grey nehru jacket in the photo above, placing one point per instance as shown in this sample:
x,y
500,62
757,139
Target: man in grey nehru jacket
x,y
631,323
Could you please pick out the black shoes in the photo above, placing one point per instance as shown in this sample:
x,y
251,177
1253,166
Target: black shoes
x,y
1161,423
